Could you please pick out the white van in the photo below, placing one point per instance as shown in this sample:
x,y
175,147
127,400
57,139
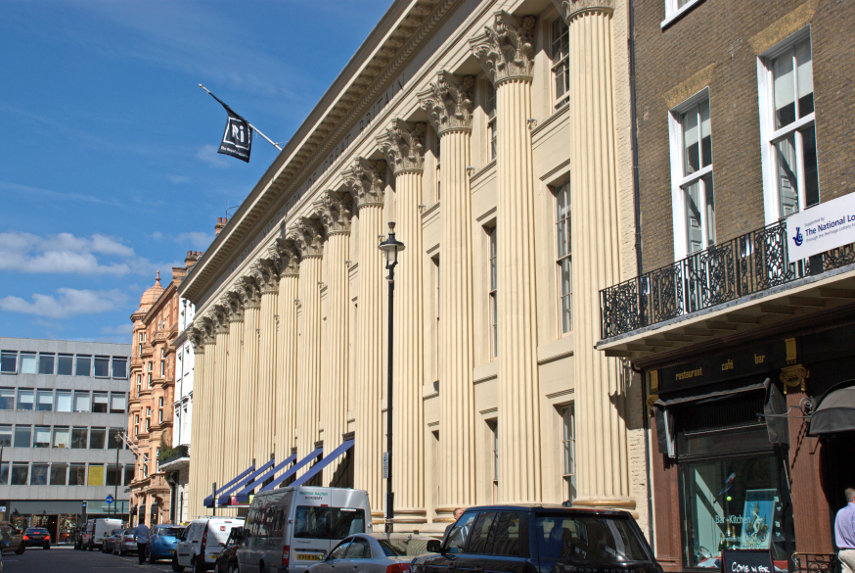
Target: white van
x,y
202,542
291,528
97,530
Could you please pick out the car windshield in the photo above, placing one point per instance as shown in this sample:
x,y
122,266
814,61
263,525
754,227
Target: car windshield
x,y
574,538
169,531
37,530
400,546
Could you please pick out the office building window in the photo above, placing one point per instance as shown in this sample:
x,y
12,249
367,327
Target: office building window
x,y
25,399
64,364
129,475
568,446
120,367
41,438
83,366
4,473
95,476
114,438
114,474
44,400
785,79
148,424
692,176
28,363
76,474
139,384
58,473
39,474
79,438
81,401
492,294
20,473
102,366
23,436
160,416
6,435
561,60
46,363
9,361
61,437
118,402
63,401
564,253
97,438
100,401
7,398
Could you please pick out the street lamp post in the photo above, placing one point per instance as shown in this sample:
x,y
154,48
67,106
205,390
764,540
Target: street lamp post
x,y
390,247
118,440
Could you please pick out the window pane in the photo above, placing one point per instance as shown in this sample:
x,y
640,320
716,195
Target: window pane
x,y
79,438
63,401
129,475
99,402
6,435
113,474
23,436
84,365
97,438
120,367
42,437
81,401
7,398
20,473
25,399
77,474
44,401
63,364
96,475
118,402
784,82
787,177
58,473
39,474
4,473
804,78
9,361
114,438
809,162
102,366
28,363
46,363
61,437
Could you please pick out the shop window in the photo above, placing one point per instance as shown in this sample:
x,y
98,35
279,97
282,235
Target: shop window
x,y
7,398
83,366
28,363
25,399
63,401
100,402
64,364
79,438
39,474
20,473
46,363
76,474
102,366
9,361
58,473
44,400
23,436
97,438
120,367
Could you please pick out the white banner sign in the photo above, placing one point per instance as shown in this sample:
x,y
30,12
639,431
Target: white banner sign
x,y
821,228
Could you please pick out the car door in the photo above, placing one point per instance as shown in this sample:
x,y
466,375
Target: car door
x,y
453,545
336,556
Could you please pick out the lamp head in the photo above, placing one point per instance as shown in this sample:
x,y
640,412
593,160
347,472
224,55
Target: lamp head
x,y
391,247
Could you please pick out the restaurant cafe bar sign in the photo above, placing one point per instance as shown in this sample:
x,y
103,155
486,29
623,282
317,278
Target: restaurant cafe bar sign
x,y
746,361
821,228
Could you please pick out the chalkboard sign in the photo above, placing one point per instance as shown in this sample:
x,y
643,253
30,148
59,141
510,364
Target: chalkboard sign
x,y
746,561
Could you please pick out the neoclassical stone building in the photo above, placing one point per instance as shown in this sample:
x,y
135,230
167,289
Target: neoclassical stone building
x,y
485,130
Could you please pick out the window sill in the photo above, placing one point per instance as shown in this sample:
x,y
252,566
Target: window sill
x,y
674,16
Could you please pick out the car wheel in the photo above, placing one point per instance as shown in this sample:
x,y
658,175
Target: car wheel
x,y
20,549
46,546
175,565
198,565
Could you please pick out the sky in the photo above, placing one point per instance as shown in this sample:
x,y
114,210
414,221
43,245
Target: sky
x,y
109,169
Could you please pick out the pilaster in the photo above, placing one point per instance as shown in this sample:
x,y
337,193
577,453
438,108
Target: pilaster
x,y
448,103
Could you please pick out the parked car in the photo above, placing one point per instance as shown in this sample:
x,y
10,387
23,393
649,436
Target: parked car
x,y
164,537
11,538
96,530
111,542
376,553
227,561
534,538
202,542
127,542
38,536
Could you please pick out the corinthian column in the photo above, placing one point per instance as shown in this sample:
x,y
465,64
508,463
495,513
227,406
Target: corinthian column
x,y
286,352
248,391
196,490
217,452
505,51
366,183
448,104
232,387
403,146
267,277
308,239
335,213
601,457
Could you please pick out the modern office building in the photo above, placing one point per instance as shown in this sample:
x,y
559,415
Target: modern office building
x,y
63,409
486,131
742,315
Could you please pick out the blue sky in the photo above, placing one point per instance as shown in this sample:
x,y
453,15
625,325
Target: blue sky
x,y
108,167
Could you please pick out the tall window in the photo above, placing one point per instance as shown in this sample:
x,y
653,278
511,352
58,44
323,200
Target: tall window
x,y
561,60
564,252
494,330
491,120
785,80
692,177
493,426
568,446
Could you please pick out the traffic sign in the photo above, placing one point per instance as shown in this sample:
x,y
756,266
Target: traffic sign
x,y
109,499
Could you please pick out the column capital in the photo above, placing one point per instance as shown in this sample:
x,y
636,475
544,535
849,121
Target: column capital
x,y
308,237
335,210
236,301
448,102
221,315
250,290
571,9
506,49
366,181
288,257
266,273
403,144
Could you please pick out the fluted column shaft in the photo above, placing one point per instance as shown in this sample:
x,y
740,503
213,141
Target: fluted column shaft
x,y
519,389
335,364
456,352
232,387
370,352
249,395
206,454
195,491
408,470
602,462
267,362
309,363
286,370
217,453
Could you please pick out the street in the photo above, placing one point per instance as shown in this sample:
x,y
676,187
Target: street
x,y
66,560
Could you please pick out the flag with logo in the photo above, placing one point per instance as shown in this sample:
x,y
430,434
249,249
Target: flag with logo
x,y
237,139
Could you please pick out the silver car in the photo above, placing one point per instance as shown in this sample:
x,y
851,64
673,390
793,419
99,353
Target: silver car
x,y
376,553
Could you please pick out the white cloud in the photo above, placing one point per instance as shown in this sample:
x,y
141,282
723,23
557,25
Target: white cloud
x,y
66,302
121,330
65,253
208,154
196,240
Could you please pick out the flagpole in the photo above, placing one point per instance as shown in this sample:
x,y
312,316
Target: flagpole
x,y
255,129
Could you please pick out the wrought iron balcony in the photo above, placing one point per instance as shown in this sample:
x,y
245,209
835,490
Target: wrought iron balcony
x,y
743,266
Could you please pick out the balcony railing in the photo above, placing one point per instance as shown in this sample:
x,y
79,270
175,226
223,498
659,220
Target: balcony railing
x,y
748,264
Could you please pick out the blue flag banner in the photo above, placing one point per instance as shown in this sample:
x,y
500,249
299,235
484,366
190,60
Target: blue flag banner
x,y
237,139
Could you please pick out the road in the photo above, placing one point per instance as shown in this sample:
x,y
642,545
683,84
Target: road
x,y
66,560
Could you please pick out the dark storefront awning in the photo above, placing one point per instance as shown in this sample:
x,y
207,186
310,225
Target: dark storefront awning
x,y
313,471
242,496
209,500
223,498
835,412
